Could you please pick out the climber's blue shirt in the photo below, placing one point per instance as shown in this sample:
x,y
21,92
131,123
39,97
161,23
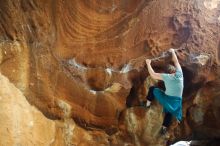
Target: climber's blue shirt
x,y
171,99
174,83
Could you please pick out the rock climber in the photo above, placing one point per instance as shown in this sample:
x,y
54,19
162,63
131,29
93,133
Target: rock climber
x,y
171,99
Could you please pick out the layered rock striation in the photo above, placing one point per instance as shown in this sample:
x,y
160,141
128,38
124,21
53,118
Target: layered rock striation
x,y
82,63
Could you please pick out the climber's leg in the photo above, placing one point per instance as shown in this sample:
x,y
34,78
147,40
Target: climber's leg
x,y
167,119
150,96
166,123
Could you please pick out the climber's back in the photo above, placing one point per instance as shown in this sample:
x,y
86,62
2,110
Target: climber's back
x,y
173,83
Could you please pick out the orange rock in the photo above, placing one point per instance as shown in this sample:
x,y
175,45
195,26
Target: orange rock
x,y
85,60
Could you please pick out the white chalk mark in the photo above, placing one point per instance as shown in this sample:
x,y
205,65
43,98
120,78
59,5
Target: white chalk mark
x,y
126,68
75,64
164,54
92,91
109,71
201,59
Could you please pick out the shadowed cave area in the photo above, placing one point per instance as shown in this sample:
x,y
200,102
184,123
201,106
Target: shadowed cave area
x,y
73,72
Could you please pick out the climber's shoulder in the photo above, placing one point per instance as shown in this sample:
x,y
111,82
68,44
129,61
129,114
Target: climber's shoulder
x,y
179,73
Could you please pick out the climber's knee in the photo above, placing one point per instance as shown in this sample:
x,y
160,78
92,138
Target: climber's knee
x,y
152,88
150,95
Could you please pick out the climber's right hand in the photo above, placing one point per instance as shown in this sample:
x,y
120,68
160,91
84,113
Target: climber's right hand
x,y
148,61
172,50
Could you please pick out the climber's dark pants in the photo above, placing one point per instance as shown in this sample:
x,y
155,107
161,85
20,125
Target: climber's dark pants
x,y
168,116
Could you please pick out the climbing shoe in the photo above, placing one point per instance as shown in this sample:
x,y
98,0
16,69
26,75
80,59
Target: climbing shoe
x,y
148,103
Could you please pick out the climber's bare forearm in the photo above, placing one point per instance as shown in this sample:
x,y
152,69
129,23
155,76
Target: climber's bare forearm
x,y
175,59
154,75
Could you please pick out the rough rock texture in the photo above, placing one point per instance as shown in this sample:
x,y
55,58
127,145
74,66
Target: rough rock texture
x,y
22,124
81,63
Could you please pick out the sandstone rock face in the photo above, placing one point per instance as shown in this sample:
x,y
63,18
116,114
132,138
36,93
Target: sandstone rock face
x,y
81,64
21,123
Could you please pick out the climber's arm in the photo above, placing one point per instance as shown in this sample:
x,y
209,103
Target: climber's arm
x,y
175,60
151,71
